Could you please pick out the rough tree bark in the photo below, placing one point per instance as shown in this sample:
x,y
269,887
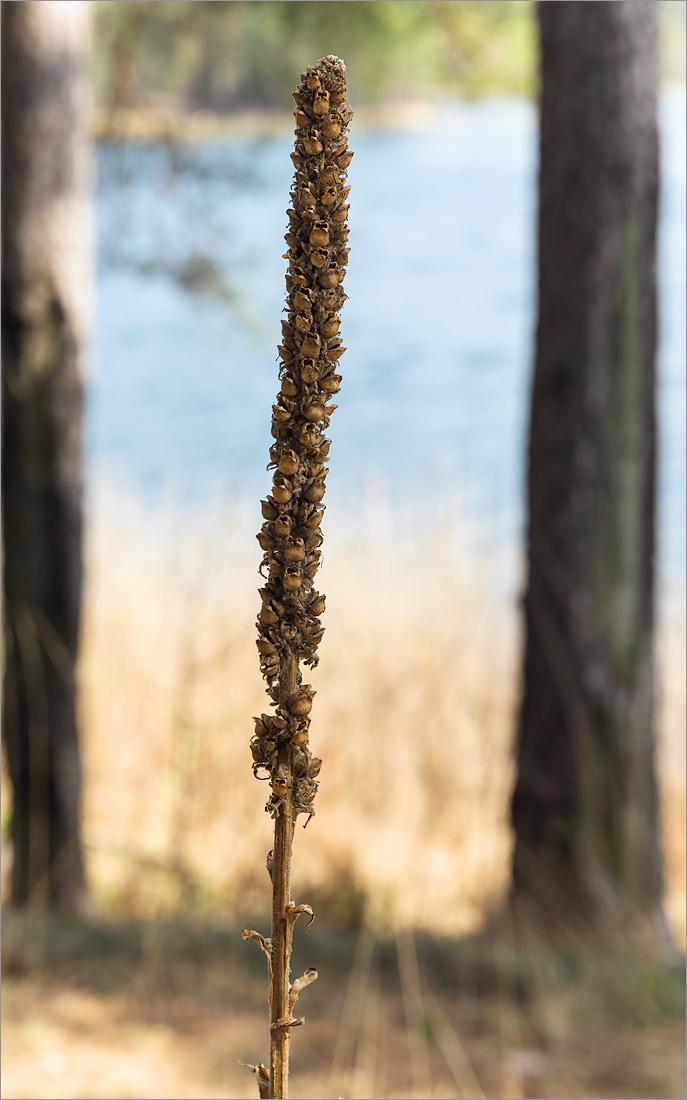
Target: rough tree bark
x,y
45,278
584,807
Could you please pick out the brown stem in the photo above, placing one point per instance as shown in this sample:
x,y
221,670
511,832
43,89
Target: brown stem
x,y
280,1036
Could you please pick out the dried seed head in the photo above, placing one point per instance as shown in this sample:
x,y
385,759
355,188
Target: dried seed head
x,y
314,410
319,234
331,383
311,345
288,386
331,127
295,549
302,299
320,104
309,435
300,703
309,371
314,493
319,257
317,604
282,526
330,277
312,143
288,624
288,461
291,580
301,736
282,490
314,519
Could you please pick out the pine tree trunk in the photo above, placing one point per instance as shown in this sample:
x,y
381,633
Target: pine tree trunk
x,y
46,269
584,807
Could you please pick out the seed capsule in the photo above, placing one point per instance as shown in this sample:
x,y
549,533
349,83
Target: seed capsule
x,y
320,103
312,143
340,214
288,631
314,493
280,413
317,604
313,80
282,526
288,462
306,198
302,120
329,278
344,159
300,703
288,386
268,510
329,196
266,647
268,615
319,234
314,519
319,257
314,411
311,345
330,327
309,435
331,128
282,490
301,736
335,353
291,580
266,542
302,299
309,371
303,322
331,383
295,549
337,94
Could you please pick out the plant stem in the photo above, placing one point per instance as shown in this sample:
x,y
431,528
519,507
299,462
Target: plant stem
x,y
285,823
289,627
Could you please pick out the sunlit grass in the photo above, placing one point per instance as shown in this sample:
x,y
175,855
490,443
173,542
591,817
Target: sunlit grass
x,y
417,687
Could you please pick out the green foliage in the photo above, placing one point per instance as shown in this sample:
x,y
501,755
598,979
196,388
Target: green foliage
x,y
221,55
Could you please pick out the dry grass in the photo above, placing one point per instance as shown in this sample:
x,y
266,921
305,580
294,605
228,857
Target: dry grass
x,y
413,719
417,688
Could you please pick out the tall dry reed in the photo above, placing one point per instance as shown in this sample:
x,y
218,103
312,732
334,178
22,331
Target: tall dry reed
x,y
289,621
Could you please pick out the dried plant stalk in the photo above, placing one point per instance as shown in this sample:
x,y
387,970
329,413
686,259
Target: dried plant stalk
x,y
289,622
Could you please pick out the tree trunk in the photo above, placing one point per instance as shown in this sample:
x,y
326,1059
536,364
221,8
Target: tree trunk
x,y
584,807
45,279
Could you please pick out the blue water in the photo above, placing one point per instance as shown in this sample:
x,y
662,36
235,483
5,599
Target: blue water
x,y
433,411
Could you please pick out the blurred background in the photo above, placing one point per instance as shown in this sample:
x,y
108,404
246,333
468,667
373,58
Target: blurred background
x,y
424,989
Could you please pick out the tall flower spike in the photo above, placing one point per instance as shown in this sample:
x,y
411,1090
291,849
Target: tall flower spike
x,y
289,628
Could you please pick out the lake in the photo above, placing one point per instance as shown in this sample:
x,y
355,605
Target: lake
x,y
432,416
